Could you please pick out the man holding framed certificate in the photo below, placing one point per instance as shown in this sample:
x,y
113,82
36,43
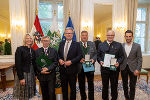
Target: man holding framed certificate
x,y
87,70
110,56
46,59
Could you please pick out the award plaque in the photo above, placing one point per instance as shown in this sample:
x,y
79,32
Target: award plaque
x,y
87,60
112,64
43,61
87,57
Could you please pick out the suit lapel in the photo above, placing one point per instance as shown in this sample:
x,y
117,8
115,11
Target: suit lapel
x,y
48,51
63,45
71,46
124,50
81,43
42,50
88,45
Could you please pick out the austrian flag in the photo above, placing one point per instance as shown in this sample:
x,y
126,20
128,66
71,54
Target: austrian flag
x,y
37,33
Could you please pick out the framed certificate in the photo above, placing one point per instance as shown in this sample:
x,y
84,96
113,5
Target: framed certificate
x,y
107,60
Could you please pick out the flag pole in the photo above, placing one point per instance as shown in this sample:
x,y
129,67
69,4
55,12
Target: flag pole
x,y
36,12
69,12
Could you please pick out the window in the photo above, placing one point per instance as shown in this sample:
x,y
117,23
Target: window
x,y
51,16
142,30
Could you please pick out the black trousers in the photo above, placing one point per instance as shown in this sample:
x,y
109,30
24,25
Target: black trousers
x,y
68,79
112,76
125,73
48,90
90,79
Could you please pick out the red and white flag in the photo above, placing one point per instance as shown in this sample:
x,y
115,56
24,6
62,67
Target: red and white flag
x,y
37,33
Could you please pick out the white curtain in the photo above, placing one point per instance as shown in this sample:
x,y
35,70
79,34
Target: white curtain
x,y
124,17
31,6
17,22
74,7
119,19
87,17
131,14
22,16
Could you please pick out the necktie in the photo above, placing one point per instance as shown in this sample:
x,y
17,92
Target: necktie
x,y
84,45
45,51
66,51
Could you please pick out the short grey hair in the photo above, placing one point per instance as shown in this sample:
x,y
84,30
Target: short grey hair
x,y
45,37
111,31
69,28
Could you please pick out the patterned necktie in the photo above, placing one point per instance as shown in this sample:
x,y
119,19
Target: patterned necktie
x,y
84,44
66,51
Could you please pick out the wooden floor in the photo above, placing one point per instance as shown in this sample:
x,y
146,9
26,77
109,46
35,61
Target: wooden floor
x,y
96,78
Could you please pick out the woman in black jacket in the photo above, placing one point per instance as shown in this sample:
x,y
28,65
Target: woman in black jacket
x,y
25,85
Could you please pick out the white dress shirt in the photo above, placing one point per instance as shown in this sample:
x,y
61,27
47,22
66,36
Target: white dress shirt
x,y
45,50
68,45
128,48
109,42
84,43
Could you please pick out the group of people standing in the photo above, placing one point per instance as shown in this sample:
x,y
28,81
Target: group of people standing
x,y
70,57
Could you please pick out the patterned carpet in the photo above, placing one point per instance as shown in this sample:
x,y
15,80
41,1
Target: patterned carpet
x,y
142,91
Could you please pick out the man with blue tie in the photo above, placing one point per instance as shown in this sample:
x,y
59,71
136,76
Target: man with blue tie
x,y
69,57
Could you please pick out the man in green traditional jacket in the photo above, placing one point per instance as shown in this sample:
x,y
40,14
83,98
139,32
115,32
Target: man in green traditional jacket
x,y
89,56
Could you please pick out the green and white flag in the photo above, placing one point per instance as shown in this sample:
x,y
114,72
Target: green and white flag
x,y
55,39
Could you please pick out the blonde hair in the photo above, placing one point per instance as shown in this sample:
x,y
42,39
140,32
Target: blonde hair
x,y
24,39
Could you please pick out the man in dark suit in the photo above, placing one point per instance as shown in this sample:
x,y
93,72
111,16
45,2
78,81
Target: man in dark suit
x,y
46,74
88,48
110,48
70,55
131,65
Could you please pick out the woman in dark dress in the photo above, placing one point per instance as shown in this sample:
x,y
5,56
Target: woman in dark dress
x,y
25,84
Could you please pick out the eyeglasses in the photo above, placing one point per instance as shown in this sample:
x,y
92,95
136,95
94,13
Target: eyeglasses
x,y
68,33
